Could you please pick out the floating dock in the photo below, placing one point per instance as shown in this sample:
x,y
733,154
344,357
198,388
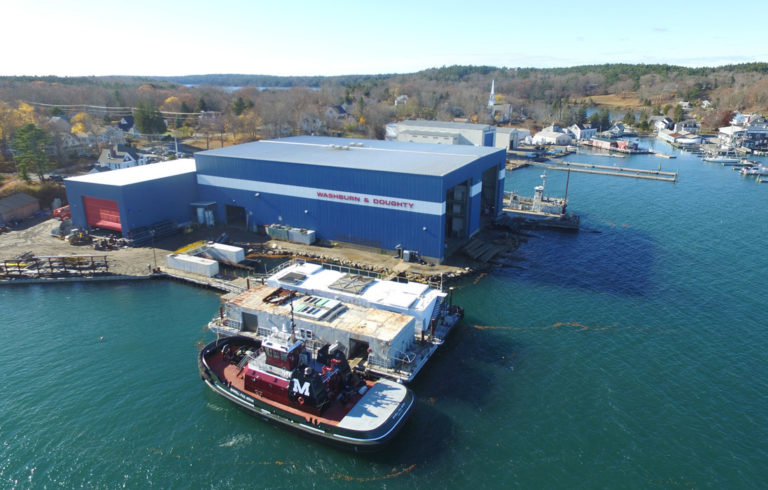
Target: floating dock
x,y
635,173
663,155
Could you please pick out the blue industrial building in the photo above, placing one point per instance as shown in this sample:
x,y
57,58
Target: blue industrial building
x,y
133,198
382,194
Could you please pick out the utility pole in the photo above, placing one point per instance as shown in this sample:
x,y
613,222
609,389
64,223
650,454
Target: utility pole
x,y
154,254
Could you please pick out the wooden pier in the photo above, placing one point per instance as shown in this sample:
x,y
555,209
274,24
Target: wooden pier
x,y
635,173
28,266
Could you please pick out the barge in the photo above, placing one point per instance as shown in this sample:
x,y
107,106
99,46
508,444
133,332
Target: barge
x,y
387,329
540,210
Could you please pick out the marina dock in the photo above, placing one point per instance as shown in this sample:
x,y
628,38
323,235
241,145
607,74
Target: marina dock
x,y
635,173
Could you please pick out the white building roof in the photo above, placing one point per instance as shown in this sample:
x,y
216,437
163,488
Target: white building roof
x,y
731,130
142,173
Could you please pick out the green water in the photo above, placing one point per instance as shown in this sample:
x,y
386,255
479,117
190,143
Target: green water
x,y
629,355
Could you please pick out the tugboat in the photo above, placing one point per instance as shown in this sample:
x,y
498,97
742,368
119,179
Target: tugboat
x,y
280,381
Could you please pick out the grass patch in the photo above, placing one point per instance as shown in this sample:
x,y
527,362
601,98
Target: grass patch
x,y
614,100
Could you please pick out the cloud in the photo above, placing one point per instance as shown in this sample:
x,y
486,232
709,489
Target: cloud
x,y
660,29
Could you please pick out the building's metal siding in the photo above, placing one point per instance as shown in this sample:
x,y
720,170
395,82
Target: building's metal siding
x,y
291,196
76,191
157,200
335,221
140,204
346,221
389,184
473,172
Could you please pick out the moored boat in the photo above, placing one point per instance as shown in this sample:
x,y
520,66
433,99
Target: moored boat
x,y
280,381
724,159
759,170
540,210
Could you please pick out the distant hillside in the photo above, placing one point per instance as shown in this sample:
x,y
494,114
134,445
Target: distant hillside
x,y
240,80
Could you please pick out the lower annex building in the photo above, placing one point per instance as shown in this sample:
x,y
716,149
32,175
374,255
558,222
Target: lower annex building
x,y
382,194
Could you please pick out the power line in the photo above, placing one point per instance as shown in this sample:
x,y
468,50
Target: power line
x,y
115,110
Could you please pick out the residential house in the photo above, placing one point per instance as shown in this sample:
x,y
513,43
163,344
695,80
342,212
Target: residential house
x,y
118,156
582,131
112,136
618,130
687,126
752,135
661,122
401,100
125,124
336,113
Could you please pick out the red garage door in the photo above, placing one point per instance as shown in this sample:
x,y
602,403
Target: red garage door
x,y
102,213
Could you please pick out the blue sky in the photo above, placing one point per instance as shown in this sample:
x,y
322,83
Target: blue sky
x,y
170,37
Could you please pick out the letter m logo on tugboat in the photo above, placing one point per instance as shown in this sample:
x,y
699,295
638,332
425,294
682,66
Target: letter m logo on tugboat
x,y
300,389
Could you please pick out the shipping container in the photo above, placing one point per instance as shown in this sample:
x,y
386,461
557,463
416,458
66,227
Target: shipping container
x,y
190,263
225,253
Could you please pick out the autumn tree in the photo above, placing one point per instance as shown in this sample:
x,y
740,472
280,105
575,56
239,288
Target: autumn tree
x,y
11,119
29,151
82,122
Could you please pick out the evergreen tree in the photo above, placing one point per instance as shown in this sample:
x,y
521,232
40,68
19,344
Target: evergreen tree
x,y
594,120
185,119
605,120
679,114
580,115
148,119
201,105
238,106
29,150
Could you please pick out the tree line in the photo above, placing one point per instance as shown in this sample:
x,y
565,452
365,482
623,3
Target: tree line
x,y
236,108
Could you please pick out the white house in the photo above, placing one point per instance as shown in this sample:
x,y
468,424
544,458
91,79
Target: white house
x,y
687,126
661,122
118,156
401,100
582,131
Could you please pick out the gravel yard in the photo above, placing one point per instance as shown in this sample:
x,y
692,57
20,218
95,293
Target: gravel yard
x,y
34,236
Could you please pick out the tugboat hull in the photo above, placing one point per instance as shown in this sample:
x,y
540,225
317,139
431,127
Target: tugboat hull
x,y
376,417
